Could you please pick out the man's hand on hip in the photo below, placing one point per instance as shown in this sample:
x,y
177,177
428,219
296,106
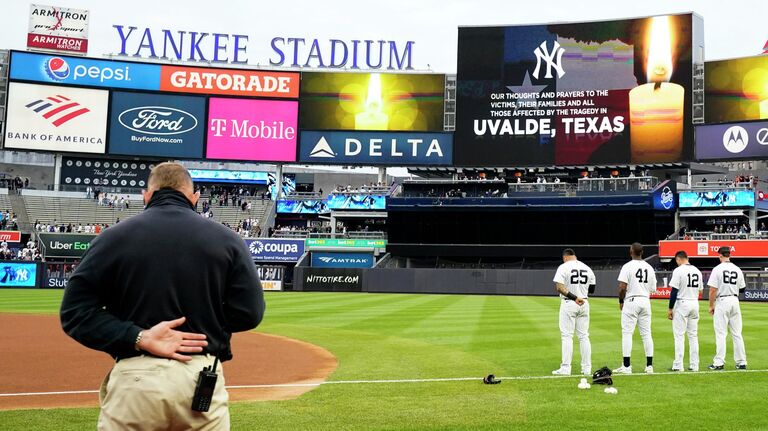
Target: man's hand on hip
x,y
165,342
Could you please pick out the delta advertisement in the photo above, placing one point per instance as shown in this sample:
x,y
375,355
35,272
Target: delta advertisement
x,y
372,101
104,172
717,199
739,248
58,29
253,130
275,249
578,93
376,148
143,124
342,260
732,141
15,274
736,89
44,117
56,69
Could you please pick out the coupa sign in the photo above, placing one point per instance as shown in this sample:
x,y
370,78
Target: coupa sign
x,y
64,245
275,250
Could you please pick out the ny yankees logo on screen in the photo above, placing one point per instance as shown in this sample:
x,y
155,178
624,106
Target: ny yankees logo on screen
x,y
553,59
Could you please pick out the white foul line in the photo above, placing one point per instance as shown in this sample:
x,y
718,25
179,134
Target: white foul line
x,y
394,381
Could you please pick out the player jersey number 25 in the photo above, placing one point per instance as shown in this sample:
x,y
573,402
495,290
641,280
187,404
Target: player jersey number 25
x,y
579,276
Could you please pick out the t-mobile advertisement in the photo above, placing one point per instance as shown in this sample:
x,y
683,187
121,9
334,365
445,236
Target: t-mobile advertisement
x,y
252,130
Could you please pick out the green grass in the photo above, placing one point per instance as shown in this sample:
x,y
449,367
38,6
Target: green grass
x,y
392,336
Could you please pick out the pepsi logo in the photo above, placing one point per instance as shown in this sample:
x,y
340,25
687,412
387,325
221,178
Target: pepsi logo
x,y
57,68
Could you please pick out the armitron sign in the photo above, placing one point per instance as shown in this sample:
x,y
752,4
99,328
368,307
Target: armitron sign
x,y
10,236
58,29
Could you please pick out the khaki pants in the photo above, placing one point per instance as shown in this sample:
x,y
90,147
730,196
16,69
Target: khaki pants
x,y
148,393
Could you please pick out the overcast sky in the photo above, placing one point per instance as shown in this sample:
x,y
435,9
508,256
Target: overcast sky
x,y
734,28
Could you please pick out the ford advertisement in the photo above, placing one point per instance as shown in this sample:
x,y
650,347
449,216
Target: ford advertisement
x,y
58,69
158,125
275,250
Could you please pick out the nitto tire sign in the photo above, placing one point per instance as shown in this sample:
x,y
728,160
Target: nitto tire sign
x,y
333,279
157,125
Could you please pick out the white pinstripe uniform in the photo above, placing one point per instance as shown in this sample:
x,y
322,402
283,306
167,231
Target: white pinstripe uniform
x,y
576,277
688,281
728,279
641,281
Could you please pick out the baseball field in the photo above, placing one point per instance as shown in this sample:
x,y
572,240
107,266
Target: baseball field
x,y
405,362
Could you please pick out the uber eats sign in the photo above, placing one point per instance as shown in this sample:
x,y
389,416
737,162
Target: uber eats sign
x,y
64,245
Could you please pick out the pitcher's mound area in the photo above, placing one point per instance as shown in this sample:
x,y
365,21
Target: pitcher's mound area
x,y
37,357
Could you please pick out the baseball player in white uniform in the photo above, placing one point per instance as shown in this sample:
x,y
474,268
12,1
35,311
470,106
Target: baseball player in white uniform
x,y
724,283
574,281
636,282
687,282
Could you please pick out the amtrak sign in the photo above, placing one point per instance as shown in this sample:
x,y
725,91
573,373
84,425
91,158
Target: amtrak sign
x,y
376,148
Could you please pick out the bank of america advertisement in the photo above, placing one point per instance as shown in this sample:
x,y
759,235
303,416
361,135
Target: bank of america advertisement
x,y
372,101
51,118
577,93
736,89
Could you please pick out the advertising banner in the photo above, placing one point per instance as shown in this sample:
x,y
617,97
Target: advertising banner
x,y
55,69
271,277
252,130
230,82
372,101
18,274
275,249
10,236
717,199
351,243
739,248
664,196
736,89
55,282
157,125
356,202
665,291
64,245
58,29
217,176
333,279
288,185
376,148
342,260
577,93
104,172
44,117
287,206
756,295
732,141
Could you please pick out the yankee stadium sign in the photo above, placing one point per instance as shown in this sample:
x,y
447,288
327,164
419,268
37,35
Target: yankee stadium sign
x,y
210,47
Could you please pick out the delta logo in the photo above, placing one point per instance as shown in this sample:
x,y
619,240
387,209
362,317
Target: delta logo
x,y
58,109
57,68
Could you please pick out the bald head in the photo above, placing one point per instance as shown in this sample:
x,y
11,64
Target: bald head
x,y
171,176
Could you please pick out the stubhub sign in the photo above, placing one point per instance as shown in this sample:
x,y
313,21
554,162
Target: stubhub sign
x,y
275,250
57,69
376,148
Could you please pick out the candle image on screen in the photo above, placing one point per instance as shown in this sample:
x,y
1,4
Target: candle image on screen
x,y
372,118
656,108
764,109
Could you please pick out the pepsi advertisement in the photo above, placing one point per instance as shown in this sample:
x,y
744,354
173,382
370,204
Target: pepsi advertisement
x,y
14,274
376,148
275,250
356,202
732,141
157,125
342,260
718,199
58,69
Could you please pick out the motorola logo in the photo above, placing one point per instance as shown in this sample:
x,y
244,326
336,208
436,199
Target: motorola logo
x,y
735,139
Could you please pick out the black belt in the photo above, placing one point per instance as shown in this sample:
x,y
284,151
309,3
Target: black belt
x,y
142,353
725,296
632,298
566,299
